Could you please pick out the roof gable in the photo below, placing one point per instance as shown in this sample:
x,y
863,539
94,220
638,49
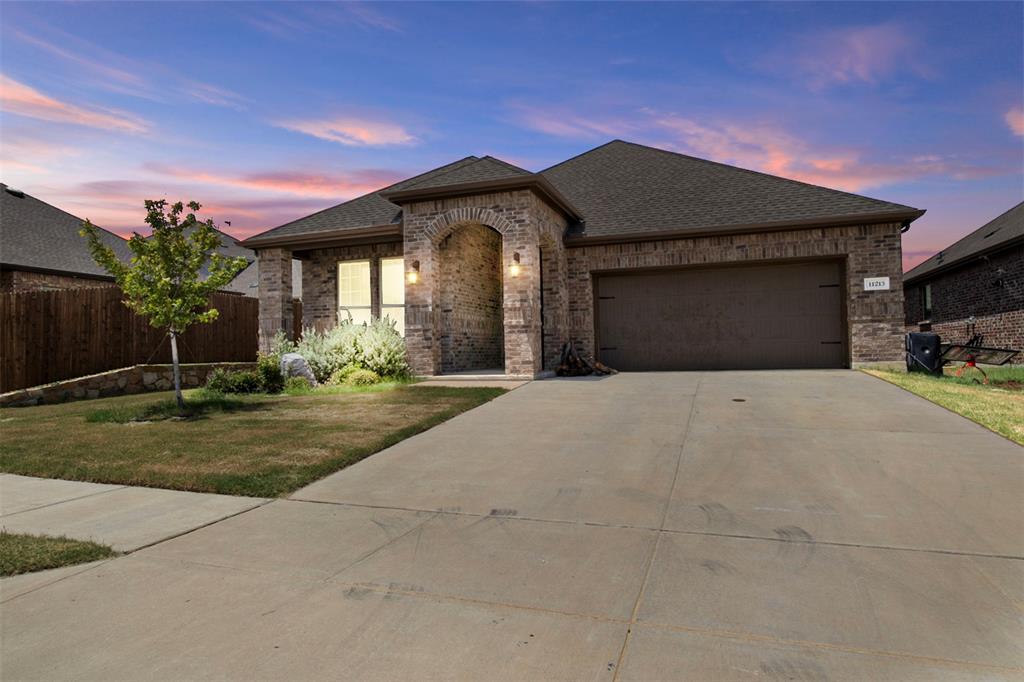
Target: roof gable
x,y
1000,231
364,211
481,170
626,189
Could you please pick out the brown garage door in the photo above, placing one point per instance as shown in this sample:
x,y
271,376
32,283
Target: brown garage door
x,y
740,317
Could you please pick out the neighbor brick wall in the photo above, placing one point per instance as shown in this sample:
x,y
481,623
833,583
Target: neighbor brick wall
x,y
471,299
875,318
971,290
24,280
320,279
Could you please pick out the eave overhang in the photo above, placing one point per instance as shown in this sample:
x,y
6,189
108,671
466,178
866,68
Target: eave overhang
x,y
904,218
326,238
962,260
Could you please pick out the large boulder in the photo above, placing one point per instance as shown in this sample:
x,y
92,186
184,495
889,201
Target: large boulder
x,y
294,365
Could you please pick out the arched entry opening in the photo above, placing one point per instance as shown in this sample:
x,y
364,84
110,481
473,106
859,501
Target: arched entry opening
x,y
471,295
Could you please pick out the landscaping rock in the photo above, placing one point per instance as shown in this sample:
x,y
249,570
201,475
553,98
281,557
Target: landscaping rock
x,y
294,365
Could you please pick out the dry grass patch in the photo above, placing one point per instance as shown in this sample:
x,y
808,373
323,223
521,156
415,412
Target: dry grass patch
x,y
21,553
249,445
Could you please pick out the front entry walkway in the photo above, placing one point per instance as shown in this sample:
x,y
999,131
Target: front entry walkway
x,y
790,525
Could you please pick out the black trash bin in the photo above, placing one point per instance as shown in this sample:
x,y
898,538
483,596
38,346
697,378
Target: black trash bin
x,y
923,353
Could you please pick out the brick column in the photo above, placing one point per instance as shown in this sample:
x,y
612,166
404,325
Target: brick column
x,y
422,338
275,294
522,319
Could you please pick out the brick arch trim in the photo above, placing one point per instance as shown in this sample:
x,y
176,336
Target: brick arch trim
x,y
445,224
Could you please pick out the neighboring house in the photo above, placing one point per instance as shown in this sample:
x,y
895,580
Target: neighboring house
x,y
647,259
40,247
975,286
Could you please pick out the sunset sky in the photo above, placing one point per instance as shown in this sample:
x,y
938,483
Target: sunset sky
x,y
266,112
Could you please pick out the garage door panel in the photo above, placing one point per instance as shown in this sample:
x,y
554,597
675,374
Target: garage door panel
x,y
724,318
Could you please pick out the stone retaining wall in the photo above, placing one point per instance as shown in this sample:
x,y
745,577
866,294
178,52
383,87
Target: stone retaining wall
x,y
136,379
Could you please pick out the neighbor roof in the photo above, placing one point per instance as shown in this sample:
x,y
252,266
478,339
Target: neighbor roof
x,y
35,235
620,190
993,235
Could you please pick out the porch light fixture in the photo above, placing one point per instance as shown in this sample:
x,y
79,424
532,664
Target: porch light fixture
x,y
414,274
515,268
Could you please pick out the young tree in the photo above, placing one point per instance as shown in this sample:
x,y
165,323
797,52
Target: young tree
x,y
163,281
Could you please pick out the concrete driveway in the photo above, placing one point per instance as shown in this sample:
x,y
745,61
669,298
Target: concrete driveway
x,y
735,525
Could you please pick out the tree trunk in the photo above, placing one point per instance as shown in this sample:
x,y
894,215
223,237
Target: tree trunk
x,y
177,374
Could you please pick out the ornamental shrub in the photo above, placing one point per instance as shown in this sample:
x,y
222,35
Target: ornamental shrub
x,y
269,369
376,346
297,386
339,376
382,349
225,381
363,377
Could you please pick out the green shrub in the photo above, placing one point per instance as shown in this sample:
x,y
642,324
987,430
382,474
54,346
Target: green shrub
x,y
363,377
280,345
382,349
339,376
269,369
376,347
297,386
222,380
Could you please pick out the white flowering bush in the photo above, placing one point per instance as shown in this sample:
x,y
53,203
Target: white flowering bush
x,y
376,346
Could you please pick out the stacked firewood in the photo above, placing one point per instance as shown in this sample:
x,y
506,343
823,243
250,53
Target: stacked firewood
x,y
572,364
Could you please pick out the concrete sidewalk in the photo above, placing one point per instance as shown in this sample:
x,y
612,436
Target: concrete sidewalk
x,y
123,517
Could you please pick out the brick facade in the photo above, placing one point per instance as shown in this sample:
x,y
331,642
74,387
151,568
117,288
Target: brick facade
x,y
320,279
275,295
472,335
989,289
524,222
874,318
25,280
466,245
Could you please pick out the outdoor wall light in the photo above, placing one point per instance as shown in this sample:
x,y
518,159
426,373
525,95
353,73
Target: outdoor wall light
x,y
414,274
515,268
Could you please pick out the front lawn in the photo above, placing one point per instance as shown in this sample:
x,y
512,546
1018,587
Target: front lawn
x,y
998,406
259,445
26,553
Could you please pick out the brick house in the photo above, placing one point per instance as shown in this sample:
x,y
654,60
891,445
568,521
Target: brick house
x,y
644,258
975,286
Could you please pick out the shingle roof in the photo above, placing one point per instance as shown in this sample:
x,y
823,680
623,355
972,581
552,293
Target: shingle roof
x,y
365,211
34,234
481,170
1000,231
624,189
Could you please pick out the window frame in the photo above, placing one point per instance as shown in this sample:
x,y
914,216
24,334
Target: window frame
x,y
926,301
383,306
369,291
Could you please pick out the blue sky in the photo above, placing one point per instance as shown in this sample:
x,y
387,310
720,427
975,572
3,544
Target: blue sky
x,y
265,112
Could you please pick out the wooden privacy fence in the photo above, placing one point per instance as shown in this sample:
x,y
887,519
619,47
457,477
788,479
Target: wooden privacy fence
x,y
53,335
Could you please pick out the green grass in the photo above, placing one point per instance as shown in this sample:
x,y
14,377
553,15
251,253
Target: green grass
x,y
258,445
26,553
998,406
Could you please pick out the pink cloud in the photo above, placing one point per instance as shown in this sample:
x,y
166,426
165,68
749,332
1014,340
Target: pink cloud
x,y
1015,119
352,131
24,100
856,54
117,205
762,147
564,123
336,185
